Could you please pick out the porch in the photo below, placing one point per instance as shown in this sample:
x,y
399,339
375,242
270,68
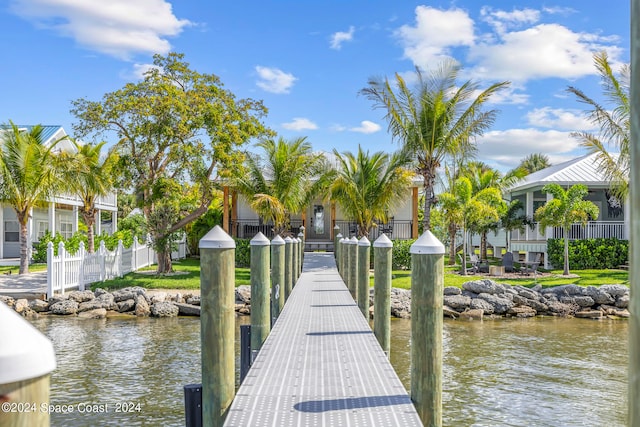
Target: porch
x,y
593,230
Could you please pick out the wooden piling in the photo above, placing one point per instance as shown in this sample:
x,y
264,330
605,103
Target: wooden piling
x,y
277,276
382,269
217,325
295,257
338,247
27,359
302,245
288,264
427,286
353,267
364,252
260,290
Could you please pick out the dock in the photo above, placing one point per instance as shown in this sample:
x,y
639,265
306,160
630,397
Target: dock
x,y
321,363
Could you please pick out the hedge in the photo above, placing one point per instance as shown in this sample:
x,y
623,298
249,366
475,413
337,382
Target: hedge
x,y
589,253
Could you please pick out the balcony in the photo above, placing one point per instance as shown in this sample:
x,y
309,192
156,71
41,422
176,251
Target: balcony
x,y
248,228
394,229
593,230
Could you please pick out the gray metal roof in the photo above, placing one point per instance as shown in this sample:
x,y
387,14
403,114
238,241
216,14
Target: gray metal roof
x,y
581,170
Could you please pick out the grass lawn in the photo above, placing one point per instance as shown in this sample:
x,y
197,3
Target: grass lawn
x,y
188,277
33,268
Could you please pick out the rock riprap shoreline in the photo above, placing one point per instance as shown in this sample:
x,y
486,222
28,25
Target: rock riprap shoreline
x,y
476,300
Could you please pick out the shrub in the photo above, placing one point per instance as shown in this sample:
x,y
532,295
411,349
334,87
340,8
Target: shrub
x,y
243,253
401,257
589,253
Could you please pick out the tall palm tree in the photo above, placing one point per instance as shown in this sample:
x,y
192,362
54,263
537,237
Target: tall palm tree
x,y
28,175
91,176
368,186
436,120
284,181
514,219
534,162
613,121
473,208
566,207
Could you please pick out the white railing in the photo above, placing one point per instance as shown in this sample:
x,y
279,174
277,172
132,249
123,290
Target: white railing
x,y
67,271
593,229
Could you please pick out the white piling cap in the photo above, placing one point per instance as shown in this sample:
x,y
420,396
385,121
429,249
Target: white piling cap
x,y
277,240
25,352
288,240
300,234
259,240
353,240
427,244
339,236
383,242
343,241
217,238
302,228
295,240
364,241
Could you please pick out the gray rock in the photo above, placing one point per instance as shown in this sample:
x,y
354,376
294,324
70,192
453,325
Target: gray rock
x,y
615,290
500,305
622,301
457,302
452,290
126,305
484,286
580,300
475,314
38,305
127,293
98,313
599,296
158,297
537,306
99,291
189,309
561,309
64,307
450,312
243,294
8,300
589,314
142,306
522,311
21,305
81,296
193,299
57,298
480,304
564,290
164,309
537,288
90,305
108,302
526,293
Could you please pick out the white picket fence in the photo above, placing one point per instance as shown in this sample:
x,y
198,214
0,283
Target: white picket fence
x,y
67,271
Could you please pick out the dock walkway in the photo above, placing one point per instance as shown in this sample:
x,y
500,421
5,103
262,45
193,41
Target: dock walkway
x,y
321,364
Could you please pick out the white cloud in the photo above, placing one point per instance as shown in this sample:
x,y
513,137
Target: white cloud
x,y
300,123
274,80
366,127
118,28
558,118
434,33
501,20
340,37
140,69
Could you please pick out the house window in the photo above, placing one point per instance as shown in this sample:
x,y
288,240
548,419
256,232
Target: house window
x,y
11,231
43,227
66,229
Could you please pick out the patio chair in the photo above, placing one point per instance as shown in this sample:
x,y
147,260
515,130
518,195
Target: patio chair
x,y
531,266
463,265
507,262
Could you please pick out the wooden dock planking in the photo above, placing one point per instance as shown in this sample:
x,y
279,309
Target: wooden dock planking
x,y
321,364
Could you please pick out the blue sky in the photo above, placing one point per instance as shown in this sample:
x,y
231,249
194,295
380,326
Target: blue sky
x,y
308,60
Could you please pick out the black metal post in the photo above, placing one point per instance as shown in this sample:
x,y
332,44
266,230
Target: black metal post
x,y
245,350
193,405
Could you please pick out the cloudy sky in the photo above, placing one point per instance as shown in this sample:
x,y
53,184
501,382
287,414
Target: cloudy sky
x,y
308,60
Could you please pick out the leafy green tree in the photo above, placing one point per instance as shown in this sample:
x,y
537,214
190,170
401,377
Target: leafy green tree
x,y
566,207
284,180
513,218
175,125
29,174
534,162
472,208
436,120
368,186
90,175
613,120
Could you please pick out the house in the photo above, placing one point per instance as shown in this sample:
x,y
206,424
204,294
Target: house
x,y
320,220
59,214
613,221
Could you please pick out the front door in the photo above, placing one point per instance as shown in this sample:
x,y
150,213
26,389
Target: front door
x,y
319,223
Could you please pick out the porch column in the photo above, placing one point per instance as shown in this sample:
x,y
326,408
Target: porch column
x,y
528,212
548,234
114,222
225,208
52,218
234,213
98,222
627,218
414,212
74,218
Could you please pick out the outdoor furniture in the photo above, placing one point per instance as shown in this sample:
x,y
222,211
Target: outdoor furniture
x,y
531,266
507,262
463,265
496,270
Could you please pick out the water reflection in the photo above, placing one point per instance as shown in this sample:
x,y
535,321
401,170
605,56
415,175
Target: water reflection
x,y
534,372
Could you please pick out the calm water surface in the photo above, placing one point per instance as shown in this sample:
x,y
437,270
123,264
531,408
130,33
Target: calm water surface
x,y
534,372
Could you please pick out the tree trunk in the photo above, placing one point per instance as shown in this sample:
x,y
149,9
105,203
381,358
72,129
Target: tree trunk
x,y
24,253
429,199
452,245
90,220
164,262
483,245
464,251
566,251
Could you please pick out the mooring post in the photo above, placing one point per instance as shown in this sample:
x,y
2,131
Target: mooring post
x,y
634,252
260,312
353,267
344,255
427,286
277,276
217,325
288,263
336,238
382,268
27,358
338,248
300,251
295,256
302,244
364,253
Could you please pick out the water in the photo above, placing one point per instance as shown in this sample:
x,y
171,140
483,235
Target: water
x,y
533,372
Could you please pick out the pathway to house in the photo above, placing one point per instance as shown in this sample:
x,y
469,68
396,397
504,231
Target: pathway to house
x,y
32,285
321,364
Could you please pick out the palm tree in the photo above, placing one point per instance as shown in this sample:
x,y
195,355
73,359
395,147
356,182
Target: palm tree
x,y
91,176
614,123
451,212
564,209
437,120
534,162
368,186
28,175
283,182
513,219
474,209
